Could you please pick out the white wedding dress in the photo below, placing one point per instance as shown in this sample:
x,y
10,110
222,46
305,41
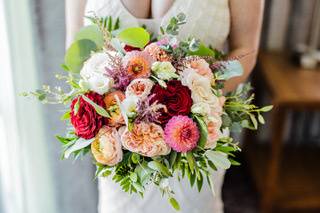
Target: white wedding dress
x,y
208,20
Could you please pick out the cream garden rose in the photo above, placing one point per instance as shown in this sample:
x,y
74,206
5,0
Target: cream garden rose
x,y
200,87
93,73
106,147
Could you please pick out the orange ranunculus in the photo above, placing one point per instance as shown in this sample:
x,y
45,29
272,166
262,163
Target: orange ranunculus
x,y
112,107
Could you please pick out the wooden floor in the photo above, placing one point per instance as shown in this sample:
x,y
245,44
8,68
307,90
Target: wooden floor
x,y
299,176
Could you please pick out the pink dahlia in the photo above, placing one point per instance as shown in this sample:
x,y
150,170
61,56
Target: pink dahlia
x,y
181,133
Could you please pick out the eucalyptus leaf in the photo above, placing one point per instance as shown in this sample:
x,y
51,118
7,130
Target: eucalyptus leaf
x,y
77,53
100,110
219,159
231,69
79,144
134,36
92,33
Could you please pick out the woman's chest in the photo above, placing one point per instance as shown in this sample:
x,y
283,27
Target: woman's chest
x,y
208,20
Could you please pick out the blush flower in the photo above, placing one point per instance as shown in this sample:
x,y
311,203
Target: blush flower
x,y
213,125
137,64
146,139
202,68
157,53
113,108
181,133
140,87
106,147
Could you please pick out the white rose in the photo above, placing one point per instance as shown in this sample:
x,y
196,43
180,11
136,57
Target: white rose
x,y
93,72
200,87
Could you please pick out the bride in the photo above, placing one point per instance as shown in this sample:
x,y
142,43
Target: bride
x,y
219,23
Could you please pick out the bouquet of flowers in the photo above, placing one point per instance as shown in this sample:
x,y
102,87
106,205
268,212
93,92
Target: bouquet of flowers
x,y
149,109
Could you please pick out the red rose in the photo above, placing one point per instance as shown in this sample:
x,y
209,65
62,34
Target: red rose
x,y
176,97
85,119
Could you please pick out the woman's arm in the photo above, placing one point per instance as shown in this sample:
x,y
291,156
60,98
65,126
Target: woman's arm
x,y
74,18
246,21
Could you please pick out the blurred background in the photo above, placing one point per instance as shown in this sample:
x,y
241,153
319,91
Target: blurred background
x,y
279,171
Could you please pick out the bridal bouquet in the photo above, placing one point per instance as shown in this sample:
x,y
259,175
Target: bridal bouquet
x,y
150,109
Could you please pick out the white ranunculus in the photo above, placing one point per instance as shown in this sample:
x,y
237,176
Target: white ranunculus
x,y
93,73
200,87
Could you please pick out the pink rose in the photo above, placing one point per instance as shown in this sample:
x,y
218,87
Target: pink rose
x,y
146,139
106,147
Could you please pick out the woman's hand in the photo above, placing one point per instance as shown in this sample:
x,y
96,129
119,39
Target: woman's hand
x,y
246,22
74,18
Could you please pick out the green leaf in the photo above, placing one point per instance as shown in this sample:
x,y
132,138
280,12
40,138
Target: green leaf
x,y
92,33
66,115
199,182
78,145
261,119
191,161
174,203
157,166
266,108
203,131
135,158
77,53
133,177
254,121
219,159
247,124
234,163
173,157
135,36
98,108
202,50
76,107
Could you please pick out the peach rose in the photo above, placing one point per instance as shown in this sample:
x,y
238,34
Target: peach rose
x,y
140,87
106,147
202,68
146,139
157,53
213,124
113,108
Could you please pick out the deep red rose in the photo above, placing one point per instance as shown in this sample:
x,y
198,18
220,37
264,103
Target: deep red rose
x,y
129,48
86,121
176,97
